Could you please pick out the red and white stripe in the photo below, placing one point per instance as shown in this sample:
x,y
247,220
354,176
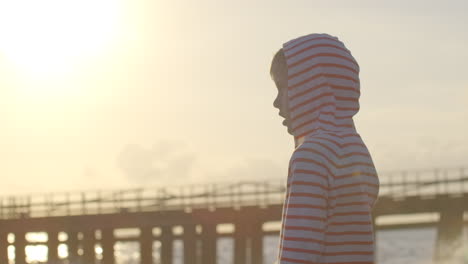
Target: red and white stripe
x,y
332,182
323,84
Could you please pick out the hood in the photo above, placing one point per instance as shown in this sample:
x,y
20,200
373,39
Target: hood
x,y
323,85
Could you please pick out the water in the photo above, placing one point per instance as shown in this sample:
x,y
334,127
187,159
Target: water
x,y
410,246
414,246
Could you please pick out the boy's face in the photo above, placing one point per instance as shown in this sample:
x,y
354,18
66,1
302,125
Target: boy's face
x,y
281,102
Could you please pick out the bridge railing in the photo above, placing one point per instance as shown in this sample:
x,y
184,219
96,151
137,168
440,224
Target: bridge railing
x,y
398,185
429,182
189,197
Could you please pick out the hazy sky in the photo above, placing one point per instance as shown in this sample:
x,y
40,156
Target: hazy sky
x,y
133,92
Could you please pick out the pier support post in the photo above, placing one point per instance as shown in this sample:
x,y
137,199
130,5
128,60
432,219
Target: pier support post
x,y
166,244
20,248
72,244
449,233
240,243
190,239
89,240
256,242
52,247
209,238
3,247
146,245
107,243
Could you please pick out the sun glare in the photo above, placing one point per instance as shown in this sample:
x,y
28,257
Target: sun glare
x,y
51,37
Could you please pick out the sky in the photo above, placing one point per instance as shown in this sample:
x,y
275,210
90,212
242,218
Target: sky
x,y
123,93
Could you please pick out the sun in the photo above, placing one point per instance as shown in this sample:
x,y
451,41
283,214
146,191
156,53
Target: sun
x,y
51,37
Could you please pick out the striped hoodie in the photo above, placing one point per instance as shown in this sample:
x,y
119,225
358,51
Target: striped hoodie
x,y
332,183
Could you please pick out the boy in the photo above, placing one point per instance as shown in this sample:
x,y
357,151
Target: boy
x,y
332,183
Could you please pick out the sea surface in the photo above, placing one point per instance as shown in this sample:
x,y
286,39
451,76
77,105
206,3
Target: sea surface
x,y
413,246
409,246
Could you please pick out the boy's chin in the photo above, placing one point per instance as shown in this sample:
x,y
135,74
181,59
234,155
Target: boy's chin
x,y
288,127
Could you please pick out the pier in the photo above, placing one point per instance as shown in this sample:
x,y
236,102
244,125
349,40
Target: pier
x,y
193,214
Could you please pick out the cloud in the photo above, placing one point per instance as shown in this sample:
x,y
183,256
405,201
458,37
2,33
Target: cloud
x,y
420,152
252,169
166,161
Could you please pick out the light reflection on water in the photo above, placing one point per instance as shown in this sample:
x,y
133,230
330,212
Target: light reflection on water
x,y
413,246
396,246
